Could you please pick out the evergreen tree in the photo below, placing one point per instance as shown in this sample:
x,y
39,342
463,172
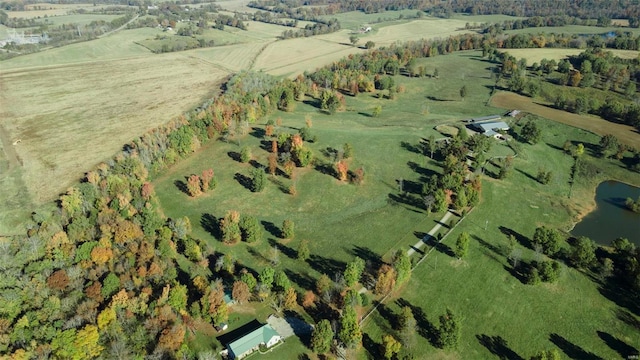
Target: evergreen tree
x,y
449,330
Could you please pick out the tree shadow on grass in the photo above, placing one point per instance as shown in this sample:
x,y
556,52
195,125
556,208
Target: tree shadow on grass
x,y
211,225
325,265
235,156
372,259
497,345
495,249
322,311
425,328
304,281
625,350
523,240
440,247
425,172
520,271
628,318
287,251
244,180
416,149
527,175
255,253
271,228
407,199
255,164
572,350
182,186
619,293
279,184
326,168
372,347
387,314
258,133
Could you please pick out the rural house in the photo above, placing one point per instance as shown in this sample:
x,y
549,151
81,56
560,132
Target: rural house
x,y
250,342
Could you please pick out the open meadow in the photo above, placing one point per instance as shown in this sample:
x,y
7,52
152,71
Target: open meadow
x,y
535,55
625,133
75,106
372,221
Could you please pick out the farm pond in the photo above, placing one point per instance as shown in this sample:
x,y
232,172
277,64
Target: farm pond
x,y
611,219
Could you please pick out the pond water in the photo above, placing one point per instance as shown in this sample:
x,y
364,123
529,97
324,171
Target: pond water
x,y
611,219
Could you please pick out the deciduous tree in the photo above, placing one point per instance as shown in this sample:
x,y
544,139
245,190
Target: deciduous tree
x,y
390,346
350,333
386,280
240,292
322,337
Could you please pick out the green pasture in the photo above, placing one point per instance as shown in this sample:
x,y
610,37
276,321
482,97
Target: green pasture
x,y
355,19
78,19
116,46
342,220
520,320
573,29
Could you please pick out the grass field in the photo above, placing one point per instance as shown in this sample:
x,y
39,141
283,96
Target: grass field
x,y
535,55
573,29
80,19
627,134
68,113
49,9
362,221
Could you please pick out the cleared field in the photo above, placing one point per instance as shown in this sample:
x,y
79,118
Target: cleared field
x,y
572,29
535,55
82,19
294,56
353,20
624,133
49,9
74,116
385,34
114,47
233,57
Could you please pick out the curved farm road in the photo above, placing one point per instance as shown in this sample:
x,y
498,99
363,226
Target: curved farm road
x,y
625,133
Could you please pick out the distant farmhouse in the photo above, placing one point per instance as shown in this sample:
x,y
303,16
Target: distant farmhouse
x,y
251,341
489,125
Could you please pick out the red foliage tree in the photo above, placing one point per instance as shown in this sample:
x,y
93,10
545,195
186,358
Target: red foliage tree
x,y
342,168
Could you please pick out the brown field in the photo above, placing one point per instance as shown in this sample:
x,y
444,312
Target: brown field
x,y
293,56
71,117
536,55
625,133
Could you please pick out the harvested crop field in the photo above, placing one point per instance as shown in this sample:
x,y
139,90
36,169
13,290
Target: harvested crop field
x,y
71,117
294,56
625,133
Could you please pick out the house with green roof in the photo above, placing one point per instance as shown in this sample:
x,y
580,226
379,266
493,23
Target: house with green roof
x,y
250,342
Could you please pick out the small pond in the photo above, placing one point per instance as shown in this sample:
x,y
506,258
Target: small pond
x,y
611,219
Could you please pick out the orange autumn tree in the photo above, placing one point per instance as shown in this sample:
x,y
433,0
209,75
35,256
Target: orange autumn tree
x,y
342,168
193,185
